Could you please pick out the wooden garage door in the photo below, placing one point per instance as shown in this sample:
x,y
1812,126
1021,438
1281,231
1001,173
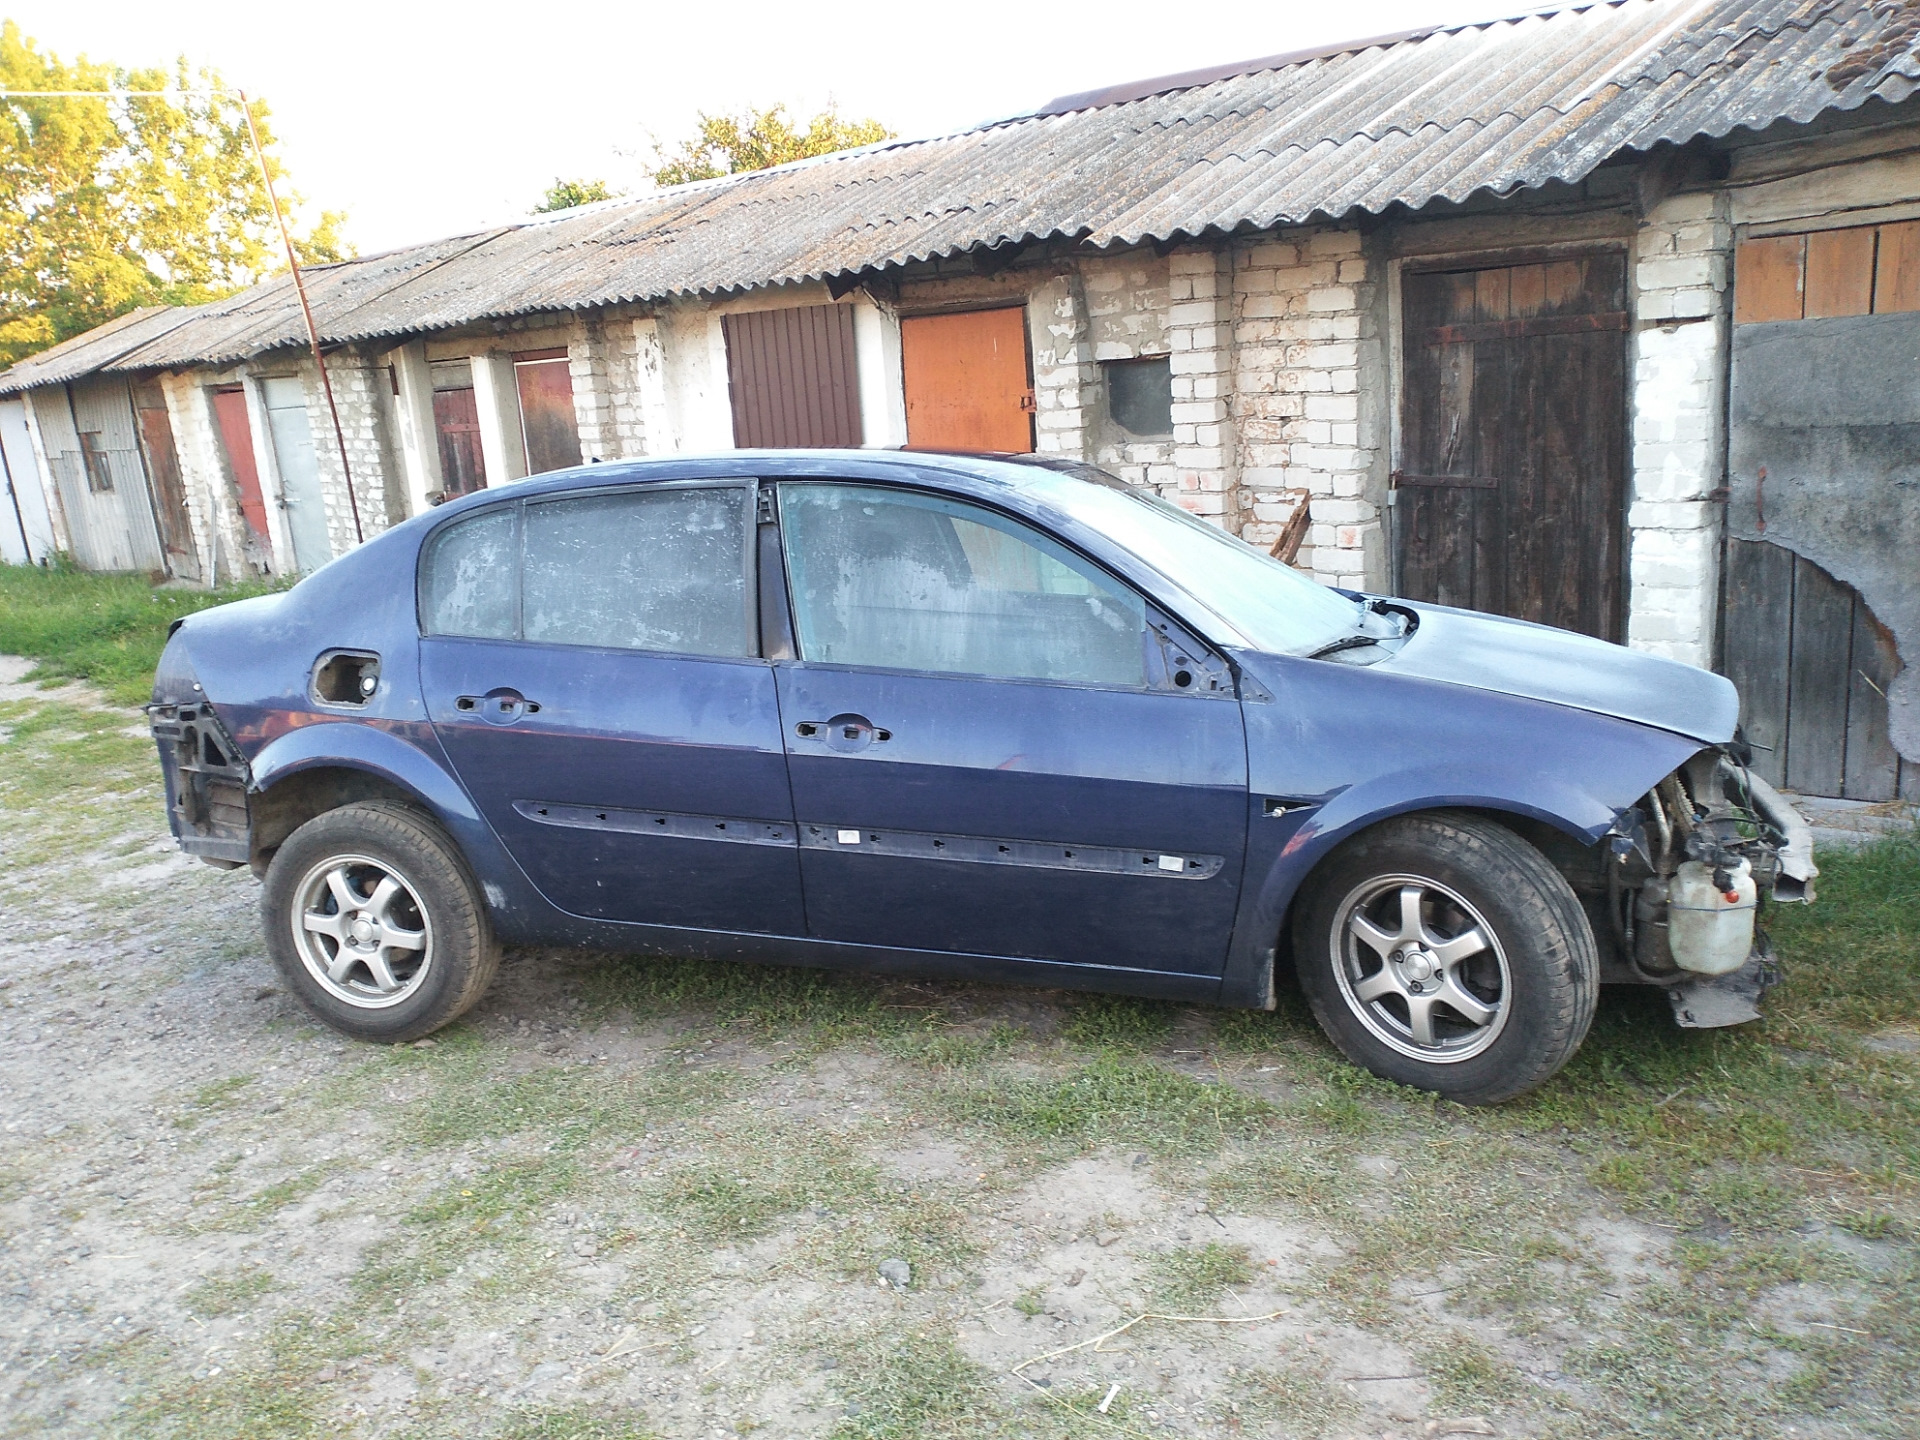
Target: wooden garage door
x,y
793,378
1512,487
163,468
1812,663
968,385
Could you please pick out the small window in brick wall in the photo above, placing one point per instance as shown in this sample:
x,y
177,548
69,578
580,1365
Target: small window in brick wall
x,y
1140,395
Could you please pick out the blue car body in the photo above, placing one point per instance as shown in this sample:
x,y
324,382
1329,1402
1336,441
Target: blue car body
x,y
1005,830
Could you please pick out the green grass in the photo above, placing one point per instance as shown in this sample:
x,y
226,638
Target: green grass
x,y
1189,1281
107,628
229,1291
918,1384
1110,1101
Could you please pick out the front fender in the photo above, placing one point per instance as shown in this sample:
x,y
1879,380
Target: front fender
x,y
408,755
1339,748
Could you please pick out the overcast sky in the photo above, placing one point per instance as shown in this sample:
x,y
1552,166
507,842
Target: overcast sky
x,y
422,120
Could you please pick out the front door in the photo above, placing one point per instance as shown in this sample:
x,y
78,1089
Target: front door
x,y
591,666
984,756
1511,491
967,380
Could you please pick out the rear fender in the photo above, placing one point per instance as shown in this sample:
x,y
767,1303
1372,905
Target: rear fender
x,y
407,757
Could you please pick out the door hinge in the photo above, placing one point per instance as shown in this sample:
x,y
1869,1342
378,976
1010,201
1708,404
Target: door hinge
x,y
764,511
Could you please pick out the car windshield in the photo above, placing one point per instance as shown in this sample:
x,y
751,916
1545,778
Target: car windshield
x,y
1273,605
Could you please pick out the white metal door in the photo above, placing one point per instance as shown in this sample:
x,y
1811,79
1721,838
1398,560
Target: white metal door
x,y
293,453
26,518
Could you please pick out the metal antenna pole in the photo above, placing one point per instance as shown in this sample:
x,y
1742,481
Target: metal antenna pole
x,y
306,310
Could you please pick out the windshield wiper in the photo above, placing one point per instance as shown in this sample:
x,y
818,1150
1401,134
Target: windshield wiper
x,y
1345,642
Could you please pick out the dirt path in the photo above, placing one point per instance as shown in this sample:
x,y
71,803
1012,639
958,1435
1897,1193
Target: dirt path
x,y
629,1198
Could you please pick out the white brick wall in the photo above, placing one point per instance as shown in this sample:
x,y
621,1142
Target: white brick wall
x,y
1128,311
1307,384
1682,257
1200,341
358,384
1066,381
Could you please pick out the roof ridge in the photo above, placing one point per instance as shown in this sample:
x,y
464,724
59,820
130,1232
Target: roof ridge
x,y
1146,89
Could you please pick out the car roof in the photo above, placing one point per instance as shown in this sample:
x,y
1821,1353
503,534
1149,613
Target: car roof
x,y
965,470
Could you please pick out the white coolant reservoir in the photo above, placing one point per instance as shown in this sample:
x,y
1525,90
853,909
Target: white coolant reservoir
x,y
1709,929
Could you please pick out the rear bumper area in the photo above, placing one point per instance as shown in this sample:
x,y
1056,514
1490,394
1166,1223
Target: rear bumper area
x,y
207,782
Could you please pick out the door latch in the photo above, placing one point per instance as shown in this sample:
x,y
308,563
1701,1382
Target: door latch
x,y
844,733
498,707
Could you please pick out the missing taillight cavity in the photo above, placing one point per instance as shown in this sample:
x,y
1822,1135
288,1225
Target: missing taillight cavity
x,y
346,677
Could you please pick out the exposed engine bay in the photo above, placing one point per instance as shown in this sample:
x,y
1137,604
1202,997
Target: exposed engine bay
x,y
1688,873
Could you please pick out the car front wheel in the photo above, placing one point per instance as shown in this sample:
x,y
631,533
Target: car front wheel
x,y
374,923
1444,952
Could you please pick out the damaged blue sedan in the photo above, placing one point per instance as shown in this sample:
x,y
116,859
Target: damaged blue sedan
x,y
995,719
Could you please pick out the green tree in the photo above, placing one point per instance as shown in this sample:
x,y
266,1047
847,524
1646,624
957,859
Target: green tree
x,y
565,194
756,139
110,204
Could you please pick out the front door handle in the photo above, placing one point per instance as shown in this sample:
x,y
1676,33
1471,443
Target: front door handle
x,y
500,706
845,733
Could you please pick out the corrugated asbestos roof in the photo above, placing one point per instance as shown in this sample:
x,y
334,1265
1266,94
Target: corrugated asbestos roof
x,y
1444,114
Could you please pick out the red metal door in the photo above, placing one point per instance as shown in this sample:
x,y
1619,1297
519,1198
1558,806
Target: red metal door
x,y
547,423
230,410
967,380
456,420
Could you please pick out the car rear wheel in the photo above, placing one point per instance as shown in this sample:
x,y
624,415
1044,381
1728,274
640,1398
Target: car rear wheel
x,y
1443,951
375,924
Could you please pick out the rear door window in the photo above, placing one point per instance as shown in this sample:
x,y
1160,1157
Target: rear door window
x,y
640,570
898,580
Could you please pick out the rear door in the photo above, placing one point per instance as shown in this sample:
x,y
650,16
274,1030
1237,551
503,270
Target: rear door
x,y
591,665
990,751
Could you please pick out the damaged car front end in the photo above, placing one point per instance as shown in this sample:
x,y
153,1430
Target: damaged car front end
x,y
1688,872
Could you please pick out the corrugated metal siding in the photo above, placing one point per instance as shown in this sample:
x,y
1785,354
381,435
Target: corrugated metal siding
x,y
1492,107
792,377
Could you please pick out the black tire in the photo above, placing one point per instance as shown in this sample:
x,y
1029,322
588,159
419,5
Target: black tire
x,y
329,920
1524,1001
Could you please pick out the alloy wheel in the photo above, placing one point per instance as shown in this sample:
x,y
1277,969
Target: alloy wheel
x,y
362,932
1421,968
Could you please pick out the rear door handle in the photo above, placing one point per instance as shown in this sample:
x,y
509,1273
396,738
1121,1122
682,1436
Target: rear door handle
x,y
500,706
845,733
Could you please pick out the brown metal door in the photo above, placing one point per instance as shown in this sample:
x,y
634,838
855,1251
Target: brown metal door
x,y
456,421
968,382
236,434
1511,496
548,426
793,378
163,468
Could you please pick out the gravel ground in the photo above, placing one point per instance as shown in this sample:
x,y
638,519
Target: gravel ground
x,y
631,1198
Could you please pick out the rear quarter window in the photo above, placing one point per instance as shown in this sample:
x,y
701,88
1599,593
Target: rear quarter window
x,y
470,578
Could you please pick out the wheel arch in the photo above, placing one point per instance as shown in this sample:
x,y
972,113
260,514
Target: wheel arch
x,y
1559,820
316,768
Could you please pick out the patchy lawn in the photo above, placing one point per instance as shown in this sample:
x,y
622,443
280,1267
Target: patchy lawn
x,y
107,628
632,1198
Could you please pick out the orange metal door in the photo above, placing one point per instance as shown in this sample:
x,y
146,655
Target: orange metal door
x,y
967,382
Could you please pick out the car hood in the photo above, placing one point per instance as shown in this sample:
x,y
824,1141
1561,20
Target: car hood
x,y
1514,657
